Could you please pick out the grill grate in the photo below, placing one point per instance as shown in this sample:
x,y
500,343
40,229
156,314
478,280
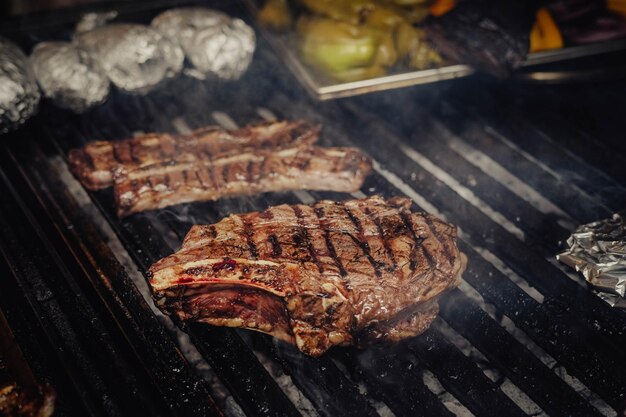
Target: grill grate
x,y
522,336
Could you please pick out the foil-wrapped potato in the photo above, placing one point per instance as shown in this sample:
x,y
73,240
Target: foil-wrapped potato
x,y
90,21
136,58
213,42
69,76
19,95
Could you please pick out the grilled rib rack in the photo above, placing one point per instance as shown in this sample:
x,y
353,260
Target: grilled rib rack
x,y
515,168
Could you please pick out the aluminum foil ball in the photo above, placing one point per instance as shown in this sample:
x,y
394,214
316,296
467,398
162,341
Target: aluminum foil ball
x,y
92,20
19,95
136,58
213,42
69,76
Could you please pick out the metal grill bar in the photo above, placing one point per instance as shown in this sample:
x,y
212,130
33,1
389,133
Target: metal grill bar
x,y
517,255
30,334
320,380
223,348
584,172
520,365
117,297
456,372
558,134
510,226
151,342
241,372
396,377
590,359
57,325
553,186
524,215
574,299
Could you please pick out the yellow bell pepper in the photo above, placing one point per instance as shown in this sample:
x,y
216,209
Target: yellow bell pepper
x,y
545,34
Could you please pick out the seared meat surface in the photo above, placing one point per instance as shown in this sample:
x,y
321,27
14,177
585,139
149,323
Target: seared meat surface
x,y
491,35
334,273
312,168
158,170
95,164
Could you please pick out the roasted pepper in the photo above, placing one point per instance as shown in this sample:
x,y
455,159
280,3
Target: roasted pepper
x,y
407,37
441,7
336,46
386,53
407,2
545,34
341,48
617,6
275,15
363,73
362,12
413,49
344,10
416,14
381,17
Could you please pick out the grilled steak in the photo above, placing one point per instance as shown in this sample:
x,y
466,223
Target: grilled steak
x,y
309,167
351,273
95,164
491,35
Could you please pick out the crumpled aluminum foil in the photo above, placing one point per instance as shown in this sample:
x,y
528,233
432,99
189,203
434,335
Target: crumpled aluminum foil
x,y
19,95
92,20
213,42
69,76
598,251
136,58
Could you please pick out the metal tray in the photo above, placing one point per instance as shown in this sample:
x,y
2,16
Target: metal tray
x,y
324,88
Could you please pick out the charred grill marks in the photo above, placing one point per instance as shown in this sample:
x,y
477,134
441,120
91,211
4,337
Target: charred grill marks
x,y
307,239
200,182
379,227
116,155
276,249
225,172
132,153
210,164
406,218
250,170
266,214
248,232
279,172
213,178
360,241
319,212
95,163
449,257
262,170
315,308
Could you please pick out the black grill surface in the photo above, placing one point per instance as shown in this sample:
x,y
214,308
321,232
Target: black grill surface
x,y
516,167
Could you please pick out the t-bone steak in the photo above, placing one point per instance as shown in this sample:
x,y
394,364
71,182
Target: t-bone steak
x,y
357,272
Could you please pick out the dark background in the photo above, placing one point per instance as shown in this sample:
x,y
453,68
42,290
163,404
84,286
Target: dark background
x,y
13,7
